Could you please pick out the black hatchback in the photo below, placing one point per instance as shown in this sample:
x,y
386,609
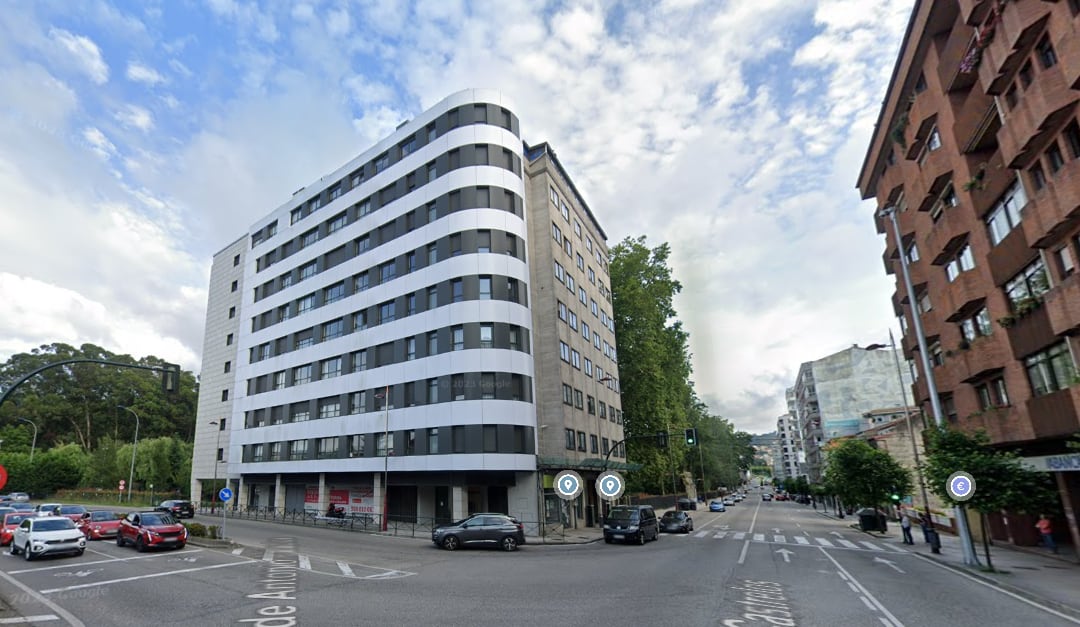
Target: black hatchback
x,y
676,522
179,509
498,530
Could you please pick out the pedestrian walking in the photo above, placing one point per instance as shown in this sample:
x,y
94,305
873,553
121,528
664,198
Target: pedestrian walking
x,y
1047,530
905,526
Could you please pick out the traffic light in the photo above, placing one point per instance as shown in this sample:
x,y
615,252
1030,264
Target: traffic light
x,y
894,497
661,439
170,378
691,437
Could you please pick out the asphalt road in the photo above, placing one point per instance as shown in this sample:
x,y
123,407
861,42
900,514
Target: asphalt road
x,y
757,564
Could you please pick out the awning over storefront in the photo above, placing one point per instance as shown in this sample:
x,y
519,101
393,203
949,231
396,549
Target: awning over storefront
x,y
1069,462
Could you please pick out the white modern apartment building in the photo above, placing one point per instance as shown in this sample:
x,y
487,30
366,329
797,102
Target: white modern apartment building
x,y
370,343
788,445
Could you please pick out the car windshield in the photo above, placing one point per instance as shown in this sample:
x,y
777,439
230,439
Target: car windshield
x,y
623,514
53,524
158,519
72,509
14,519
98,516
672,515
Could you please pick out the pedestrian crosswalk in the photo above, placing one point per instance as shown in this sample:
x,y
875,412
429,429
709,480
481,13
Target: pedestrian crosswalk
x,y
799,540
322,565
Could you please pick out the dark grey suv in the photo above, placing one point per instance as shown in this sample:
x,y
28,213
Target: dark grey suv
x,y
498,530
631,523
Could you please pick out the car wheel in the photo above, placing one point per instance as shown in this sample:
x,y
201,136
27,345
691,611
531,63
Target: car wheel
x,y
180,546
451,543
14,549
80,551
641,538
509,543
139,545
607,540
26,552
119,540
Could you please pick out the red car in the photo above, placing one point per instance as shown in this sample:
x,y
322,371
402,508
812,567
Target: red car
x,y
11,521
74,512
151,529
99,524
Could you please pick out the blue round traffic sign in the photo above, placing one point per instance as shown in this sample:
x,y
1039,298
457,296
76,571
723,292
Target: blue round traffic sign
x,y
610,485
568,485
961,486
225,494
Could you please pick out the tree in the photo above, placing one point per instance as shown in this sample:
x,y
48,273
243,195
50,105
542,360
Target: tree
x,y
862,475
1002,482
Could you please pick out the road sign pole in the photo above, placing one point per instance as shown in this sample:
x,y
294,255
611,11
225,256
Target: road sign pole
x,y
225,495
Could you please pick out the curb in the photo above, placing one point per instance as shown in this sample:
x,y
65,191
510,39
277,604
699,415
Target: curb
x,y
1021,592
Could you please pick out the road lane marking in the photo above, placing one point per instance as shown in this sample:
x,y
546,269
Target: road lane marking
x,y
866,601
853,588
268,556
21,620
780,539
801,540
739,535
138,577
759,537
754,520
720,535
895,549
848,544
701,534
742,555
870,545
68,616
823,542
345,570
110,561
237,551
859,588
304,562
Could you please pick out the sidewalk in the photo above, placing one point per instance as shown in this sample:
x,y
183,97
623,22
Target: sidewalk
x,y
1029,572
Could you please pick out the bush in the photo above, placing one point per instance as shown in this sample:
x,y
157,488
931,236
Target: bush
x,y
214,532
197,530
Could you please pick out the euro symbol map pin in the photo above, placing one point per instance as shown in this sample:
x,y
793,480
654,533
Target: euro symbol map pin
x,y
961,486
610,485
568,485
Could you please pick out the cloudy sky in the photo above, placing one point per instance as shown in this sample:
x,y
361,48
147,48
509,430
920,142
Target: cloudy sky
x,y
137,139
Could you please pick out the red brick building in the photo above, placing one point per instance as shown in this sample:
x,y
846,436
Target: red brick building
x,y
977,148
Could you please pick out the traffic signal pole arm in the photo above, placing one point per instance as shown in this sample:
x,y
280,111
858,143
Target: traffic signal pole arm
x,y
168,371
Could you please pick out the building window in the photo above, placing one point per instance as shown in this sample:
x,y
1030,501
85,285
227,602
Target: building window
x,y
948,405
483,241
485,288
1045,52
487,335
383,443
330,368
1072,140
333,293
457,292
410,349
567,394
328,448
1027,286
387,312
458,338
432,343
309,238
360,321
556,234
575,359
228,339
279,380
301,374
962,262
1055,158
305,304
332,329
330,409
976,326
358,402
487,385
275,451
570,439
1064,261
992,394
224,395
387,271
1050,370
925,306
356,445
457,383
581,441
594,447
515,338
432,297
1005,215
1038,177
937,355
298,449
455,244
590,405
236,260
433,391
433,441
578,399
562,310
410,442
564,351
337,223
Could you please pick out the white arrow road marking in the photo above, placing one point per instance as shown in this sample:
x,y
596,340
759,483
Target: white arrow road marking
x,y
26,620
345,570
149,576
801,540
891,565
786,553
183,559
304,562
80,573
725,527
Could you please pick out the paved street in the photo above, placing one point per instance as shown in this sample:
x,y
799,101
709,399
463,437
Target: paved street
x,y
758,561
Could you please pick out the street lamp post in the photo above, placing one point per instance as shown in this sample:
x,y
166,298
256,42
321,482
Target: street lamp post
x,y
33,443
134,448
217,447
970,558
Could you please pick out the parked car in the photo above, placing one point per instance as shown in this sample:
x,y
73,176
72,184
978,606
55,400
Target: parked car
x,y
716,505
21,506
766,497
20,497
74,512
36,536
781,497
99,524
47,509
631,523
672,522
498,530
684,504
7,531
179,509
4,509
729,502
151,529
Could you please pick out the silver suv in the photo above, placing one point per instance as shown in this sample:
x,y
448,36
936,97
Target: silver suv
x,y
498,530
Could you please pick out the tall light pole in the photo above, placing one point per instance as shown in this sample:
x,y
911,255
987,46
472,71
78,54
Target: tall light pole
x,y
134,448
217,447
911,430
33,443
386,454
970,557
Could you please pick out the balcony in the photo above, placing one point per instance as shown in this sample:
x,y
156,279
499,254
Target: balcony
x,y
1030,333
1055,414
952,79
1062,306
954,224
1013,37
934,172
973,12
983,356
964,291
1001,424
1068,49
1010,255
1041,110
996,178
977,123
1055,209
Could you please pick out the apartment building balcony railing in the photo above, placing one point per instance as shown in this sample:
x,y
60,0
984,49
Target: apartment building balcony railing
x,y
1055,414
1062,306
973,12
922,116
1001,424
1012,38
1040,111
1011,254
948,233
977,123
1030,332
1068,49
956,48
1054,210
989,181
967,289
982,357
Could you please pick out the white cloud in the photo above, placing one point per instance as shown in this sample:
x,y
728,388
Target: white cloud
x,y
84,53
136,117
143,74
99,142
